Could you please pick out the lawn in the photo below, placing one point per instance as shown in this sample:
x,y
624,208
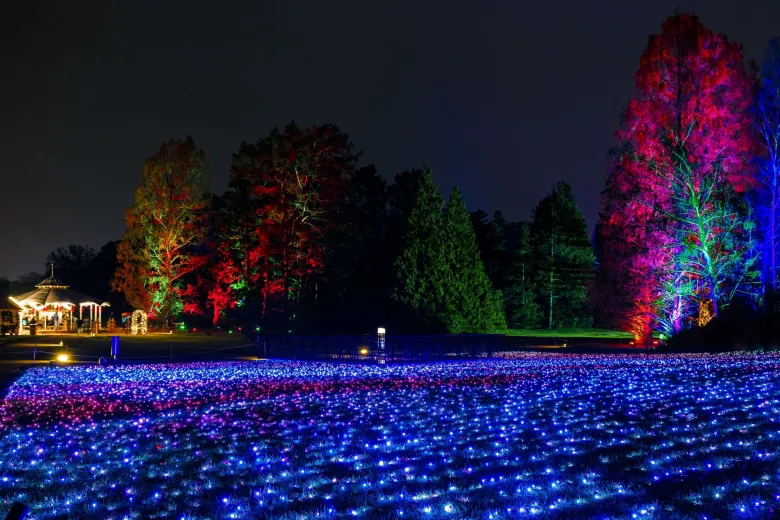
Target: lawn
x,y
545,435
574,332
187,345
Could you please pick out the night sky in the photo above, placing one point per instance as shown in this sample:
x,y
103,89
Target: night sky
x,y
502,98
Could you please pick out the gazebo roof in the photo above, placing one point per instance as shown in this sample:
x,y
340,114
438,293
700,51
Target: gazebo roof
x,y
53,292
52,282
44,296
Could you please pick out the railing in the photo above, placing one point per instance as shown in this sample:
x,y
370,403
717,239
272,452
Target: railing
x,y
375,349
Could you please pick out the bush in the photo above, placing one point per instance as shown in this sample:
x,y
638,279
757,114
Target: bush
x,y
735,329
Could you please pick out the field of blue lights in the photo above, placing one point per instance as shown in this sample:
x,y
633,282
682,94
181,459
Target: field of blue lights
x,y
537,435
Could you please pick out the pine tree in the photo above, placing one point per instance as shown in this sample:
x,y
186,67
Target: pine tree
x,y
354,296
522,311
499,261
471,305
421,268
564,260
479,219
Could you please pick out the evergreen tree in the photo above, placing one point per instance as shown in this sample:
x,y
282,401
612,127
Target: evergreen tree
x,y
499,262
492,243
354,296
421,268
522,311
471,305
479,220
563,258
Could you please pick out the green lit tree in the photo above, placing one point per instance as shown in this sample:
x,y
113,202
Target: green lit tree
x,y
471,305
421,267
563,259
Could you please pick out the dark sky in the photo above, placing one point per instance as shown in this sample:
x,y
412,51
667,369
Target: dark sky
x,y
502,98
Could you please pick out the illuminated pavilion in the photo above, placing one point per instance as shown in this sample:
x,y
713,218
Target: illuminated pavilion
x,y
52,306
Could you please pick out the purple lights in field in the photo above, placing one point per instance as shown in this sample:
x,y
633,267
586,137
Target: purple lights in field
x,y
546,436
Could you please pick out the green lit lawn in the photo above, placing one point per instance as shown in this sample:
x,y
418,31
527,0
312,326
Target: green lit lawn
x,y
575,332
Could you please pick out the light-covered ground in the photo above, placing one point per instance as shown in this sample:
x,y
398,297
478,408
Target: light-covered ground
x,y
541,435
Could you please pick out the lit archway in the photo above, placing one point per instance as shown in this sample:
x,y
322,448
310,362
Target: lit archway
x,y
138,322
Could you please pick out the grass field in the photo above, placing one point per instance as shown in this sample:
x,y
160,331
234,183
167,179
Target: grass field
x,y
152,346
546,436
584,333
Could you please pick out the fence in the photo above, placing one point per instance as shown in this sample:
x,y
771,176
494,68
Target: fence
x,y
380,349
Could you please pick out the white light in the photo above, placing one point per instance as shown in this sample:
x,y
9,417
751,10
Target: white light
x,y
380,330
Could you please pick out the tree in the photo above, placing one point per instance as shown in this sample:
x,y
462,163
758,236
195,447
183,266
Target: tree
x,y
358,269
563,257
292,182
163,228
401,197
499,261
86,269
492,242
236,242
479,220
767,122
26,282
522,311
471,305
101,271
680,166
421,268
132,273
72,264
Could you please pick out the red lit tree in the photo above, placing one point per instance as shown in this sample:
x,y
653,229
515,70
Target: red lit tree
x,y
271,240
683,145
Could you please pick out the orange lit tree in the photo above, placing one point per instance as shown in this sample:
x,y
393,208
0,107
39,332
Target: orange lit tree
x,y
163,228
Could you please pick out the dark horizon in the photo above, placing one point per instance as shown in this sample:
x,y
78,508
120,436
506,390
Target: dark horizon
x,y
500,100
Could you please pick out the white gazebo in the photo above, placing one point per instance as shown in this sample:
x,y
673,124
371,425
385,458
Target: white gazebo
x,y
52,306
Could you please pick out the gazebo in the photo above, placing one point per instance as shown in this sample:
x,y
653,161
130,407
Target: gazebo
x,y
51,306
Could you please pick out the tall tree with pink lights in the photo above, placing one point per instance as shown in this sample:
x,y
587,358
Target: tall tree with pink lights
x,y
675,202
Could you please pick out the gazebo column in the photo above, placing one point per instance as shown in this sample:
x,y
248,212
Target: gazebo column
x,y
100,318
81,312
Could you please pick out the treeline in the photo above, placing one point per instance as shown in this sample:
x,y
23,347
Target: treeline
x,y
306,240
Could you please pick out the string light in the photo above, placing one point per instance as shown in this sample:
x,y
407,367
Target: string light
x,y
138,322
555,436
